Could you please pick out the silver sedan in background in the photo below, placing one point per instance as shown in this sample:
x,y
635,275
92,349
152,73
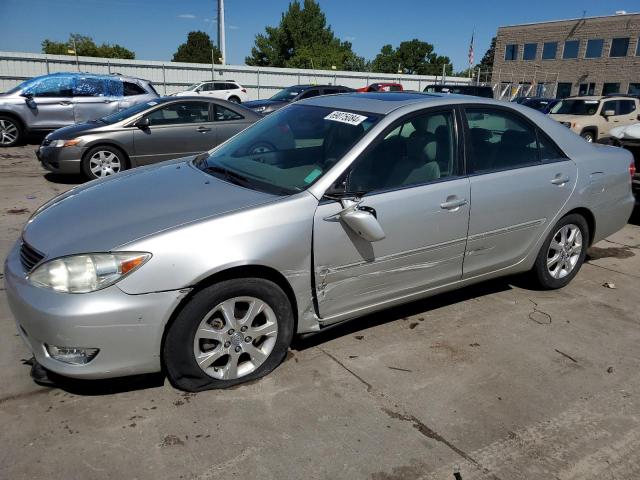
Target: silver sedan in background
x,y
208,266
150,132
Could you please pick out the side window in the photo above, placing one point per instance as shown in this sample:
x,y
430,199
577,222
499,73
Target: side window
x,y
89,87
207,87
231,86
55,86
330,91
500,140
180,113
419,150
224,114
131,89
625,107
221,86
314,92
610,105
549,153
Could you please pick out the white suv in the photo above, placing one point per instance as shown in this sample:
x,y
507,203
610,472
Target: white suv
x,y
224,89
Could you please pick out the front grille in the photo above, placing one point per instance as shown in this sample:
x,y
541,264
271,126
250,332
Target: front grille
x,y
29,257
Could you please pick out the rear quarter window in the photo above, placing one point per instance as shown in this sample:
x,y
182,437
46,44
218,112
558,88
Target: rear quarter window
x,y
130,89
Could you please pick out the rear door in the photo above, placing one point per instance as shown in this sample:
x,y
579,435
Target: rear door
x,y
520,181
227,122
92,99
175,130
132,94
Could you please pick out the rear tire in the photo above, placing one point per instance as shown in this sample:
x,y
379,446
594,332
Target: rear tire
x,y
103,161
229,333
11,132
234,99
562,253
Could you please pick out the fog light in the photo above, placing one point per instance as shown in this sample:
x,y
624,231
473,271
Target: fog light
x,y
72,355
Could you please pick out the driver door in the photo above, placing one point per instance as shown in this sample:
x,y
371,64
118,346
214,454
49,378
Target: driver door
x,y
52,103
412,174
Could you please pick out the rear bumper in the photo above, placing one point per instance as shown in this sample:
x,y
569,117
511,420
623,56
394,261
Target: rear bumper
x,y
60,160
126,328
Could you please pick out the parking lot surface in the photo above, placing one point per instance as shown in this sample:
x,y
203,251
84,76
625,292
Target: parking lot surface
x,y
494,381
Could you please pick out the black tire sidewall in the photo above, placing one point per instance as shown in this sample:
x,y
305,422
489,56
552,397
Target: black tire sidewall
x,y
20,135
544,278
86,169
590,134
180,365
234,99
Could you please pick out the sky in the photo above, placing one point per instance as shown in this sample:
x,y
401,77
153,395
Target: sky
x,y
153,29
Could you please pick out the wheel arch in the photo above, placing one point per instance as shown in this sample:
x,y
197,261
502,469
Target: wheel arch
x,y
242,271
591,128
589,218
15,116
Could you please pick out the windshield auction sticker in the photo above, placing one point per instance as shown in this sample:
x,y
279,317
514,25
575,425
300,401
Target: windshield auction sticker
x,y
346,117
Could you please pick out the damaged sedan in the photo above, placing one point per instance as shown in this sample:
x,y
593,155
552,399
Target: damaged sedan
x,y
326,210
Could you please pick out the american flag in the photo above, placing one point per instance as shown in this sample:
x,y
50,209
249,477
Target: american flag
x,y
471,59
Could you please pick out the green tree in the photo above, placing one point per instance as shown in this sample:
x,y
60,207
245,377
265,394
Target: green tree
x,y
486,64
413,57
85,46
303,40
197,49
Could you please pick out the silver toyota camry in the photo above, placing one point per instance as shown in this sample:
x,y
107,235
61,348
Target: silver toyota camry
x,y
207,266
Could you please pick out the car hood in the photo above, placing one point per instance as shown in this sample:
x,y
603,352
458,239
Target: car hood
x,y
569,118
103,215
264,103
72,131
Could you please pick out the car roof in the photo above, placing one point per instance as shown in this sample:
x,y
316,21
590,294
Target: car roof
x,y
94,75
387,102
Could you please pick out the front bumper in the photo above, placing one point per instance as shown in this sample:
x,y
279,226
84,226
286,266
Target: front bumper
x,y
60,160
126,328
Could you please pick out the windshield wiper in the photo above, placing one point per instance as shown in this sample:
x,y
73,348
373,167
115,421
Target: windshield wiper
x,y
229,175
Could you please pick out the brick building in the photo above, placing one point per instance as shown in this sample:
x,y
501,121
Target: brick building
x,y
583,56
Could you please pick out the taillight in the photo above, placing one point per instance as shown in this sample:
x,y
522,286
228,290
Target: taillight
x,y
632,169
244,90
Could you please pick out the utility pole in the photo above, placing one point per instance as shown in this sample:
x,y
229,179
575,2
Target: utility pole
x,y
221,39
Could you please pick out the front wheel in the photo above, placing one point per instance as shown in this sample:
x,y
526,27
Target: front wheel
x,y
229,333
234,99
562,253
103,161
588,136
10,132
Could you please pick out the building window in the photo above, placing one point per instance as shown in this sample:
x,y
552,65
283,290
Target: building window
x,y
619,47
511,52
610,88
594,48
634,89
564,90
530,51
587,89
571,49
549,50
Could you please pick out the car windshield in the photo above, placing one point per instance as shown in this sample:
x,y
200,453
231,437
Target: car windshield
x,y
24,85
126,113
190,88
576,107
287,94
289,150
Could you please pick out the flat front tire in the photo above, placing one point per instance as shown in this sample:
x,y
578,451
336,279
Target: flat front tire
x,y
563,253
229,333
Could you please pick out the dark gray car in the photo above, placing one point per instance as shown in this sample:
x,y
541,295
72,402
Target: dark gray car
x,y
293,94
45,103
150,132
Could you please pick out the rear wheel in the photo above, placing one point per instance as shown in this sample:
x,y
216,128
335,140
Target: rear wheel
x,y
562,253
234,99
103,161
10,132
229,333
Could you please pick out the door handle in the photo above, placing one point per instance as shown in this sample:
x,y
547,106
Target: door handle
x,y
560,180
453,203
65,102
108,101
203,129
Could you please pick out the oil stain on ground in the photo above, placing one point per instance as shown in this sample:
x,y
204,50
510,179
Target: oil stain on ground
x,y
596,253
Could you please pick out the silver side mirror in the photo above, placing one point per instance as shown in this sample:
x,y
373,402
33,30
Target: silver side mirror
x,y
362,220
608,113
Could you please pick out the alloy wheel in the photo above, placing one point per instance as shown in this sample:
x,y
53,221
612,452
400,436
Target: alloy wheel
x,y
235,338
564,251
104,163
8,132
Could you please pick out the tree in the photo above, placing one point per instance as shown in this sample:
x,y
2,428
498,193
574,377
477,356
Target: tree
x,y
85,46
303,40
197,49
486,64
413,57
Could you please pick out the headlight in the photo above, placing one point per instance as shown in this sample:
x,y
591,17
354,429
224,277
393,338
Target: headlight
x,y
64,143
88,272
259,109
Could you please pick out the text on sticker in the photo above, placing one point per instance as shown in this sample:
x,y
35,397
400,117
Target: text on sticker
x,y
346,117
